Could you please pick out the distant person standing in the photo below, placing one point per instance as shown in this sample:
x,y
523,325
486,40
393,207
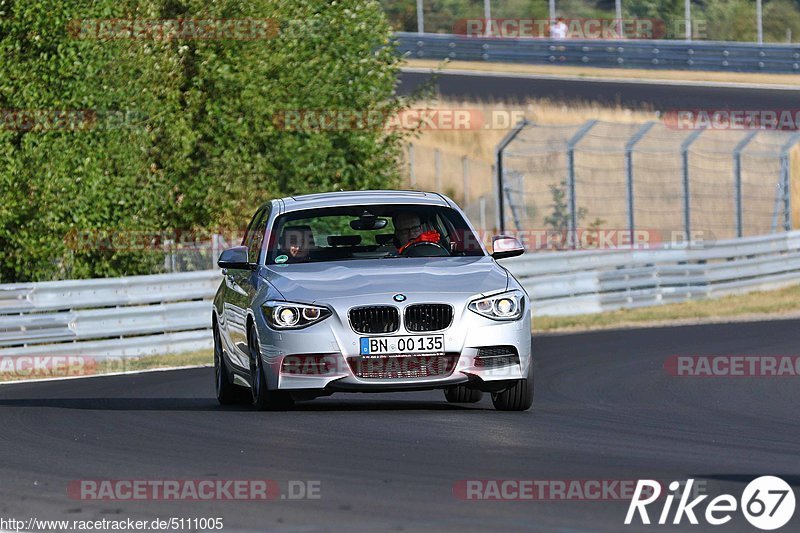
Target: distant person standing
x,y
558,30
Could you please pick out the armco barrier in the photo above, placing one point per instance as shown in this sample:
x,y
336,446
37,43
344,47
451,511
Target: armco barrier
x,y
650,54
130,316
578,282
171,313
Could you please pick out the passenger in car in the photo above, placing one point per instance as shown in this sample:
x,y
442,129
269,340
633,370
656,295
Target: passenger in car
x,y
297,242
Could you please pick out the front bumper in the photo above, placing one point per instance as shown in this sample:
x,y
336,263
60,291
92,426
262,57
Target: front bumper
x,y
335,338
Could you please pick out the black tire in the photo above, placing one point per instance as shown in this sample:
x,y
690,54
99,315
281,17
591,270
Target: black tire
x,y
518,397
462,394
227,392
263,398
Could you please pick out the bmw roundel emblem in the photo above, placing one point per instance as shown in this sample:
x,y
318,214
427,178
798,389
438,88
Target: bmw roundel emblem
x,y
399,298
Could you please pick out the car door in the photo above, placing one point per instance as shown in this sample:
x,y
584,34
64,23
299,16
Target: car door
x,y
238,298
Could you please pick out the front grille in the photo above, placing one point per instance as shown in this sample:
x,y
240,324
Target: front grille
x,y
428,317
375,319
496,356
402,366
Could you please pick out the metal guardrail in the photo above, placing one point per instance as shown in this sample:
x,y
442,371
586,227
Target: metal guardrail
x,y
170,313
650,54
129,316
579,282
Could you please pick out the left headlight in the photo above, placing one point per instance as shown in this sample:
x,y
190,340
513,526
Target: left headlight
x,y
505,306
288,315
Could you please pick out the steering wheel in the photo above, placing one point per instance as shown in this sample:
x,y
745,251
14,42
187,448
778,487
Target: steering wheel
x,y
425,249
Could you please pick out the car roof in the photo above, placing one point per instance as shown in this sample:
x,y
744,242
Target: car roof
x,y
345,198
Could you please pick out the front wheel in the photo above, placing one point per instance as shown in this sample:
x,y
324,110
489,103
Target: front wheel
x,y
227,392
263,398
518,397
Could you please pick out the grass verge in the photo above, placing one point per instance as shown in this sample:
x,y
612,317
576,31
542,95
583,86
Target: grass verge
x,y
762,305
19,368
750,78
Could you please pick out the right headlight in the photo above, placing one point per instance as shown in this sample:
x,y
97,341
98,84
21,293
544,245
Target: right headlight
x,y
505,306
288,315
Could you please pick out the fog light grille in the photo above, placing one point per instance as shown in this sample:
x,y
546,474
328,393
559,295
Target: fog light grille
x,y
496,356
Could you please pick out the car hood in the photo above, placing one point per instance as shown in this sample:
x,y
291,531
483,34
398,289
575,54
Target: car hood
x,y
312,282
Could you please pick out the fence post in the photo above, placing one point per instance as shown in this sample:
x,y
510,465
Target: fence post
x,y
573,213
737,179
420,18
465,175
437,163
482,209
687,16
687,214
487,15
759,24
641,132
510,136
214,249
412,177
786,181
508,190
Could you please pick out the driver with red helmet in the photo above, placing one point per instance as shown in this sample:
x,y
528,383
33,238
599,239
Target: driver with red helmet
x,y
408,231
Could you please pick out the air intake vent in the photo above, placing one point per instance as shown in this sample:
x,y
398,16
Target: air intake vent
x,y
375,319
403,366
496,356
428,317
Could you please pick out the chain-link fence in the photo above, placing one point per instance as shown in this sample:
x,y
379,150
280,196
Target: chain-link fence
x,y
723,183
469,181
623,176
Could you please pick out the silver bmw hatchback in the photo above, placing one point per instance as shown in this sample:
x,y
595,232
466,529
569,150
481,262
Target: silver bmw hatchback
x,y
369,291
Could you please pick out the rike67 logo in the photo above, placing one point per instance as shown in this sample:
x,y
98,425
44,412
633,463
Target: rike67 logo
x,y
767,503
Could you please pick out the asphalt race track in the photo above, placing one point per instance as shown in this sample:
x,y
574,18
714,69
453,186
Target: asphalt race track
x,y
605,409
630,93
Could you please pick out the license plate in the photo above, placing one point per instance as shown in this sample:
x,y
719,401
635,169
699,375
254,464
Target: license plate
x,y
402,345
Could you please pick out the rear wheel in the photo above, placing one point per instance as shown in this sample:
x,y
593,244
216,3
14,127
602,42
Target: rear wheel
x,y
518,397
263,398
462,394
227,392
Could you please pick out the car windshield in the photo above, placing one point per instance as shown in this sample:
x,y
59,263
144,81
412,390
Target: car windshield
x,y
371,232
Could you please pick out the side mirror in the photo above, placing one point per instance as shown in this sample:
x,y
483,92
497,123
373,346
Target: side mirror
x,y
235,258
505,246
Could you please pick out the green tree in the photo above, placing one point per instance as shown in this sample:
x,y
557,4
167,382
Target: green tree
x,y
781,19
730,20
204,148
